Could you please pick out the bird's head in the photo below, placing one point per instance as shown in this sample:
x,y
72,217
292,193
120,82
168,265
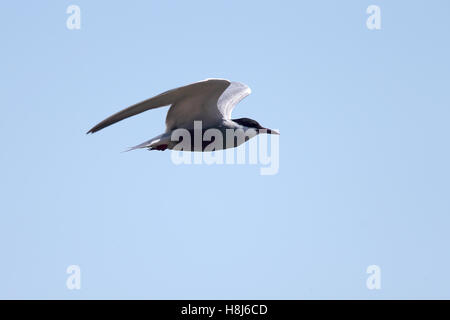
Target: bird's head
x,y
253,124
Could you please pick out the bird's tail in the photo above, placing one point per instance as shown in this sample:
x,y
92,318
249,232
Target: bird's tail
x,y
156,143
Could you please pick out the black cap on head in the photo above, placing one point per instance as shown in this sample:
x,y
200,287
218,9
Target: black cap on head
x,y
248,123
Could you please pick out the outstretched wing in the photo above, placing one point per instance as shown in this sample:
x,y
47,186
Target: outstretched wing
x,y
210,105
202,100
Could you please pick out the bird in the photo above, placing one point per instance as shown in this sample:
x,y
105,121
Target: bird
x,y
209,102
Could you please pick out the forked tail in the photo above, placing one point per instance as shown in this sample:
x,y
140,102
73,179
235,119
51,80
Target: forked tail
x,y
160,143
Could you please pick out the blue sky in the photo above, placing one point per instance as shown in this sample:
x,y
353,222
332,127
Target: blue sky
x,y
363,178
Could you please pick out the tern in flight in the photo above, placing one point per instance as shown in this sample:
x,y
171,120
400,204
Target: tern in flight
x,y
208,102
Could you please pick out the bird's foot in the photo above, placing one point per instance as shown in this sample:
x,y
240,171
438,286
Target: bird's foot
x,y
161,147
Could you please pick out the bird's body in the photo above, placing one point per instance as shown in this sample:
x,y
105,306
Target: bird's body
x,y
201,110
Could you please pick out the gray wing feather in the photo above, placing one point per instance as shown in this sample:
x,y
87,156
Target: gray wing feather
x,y
235,92
203,88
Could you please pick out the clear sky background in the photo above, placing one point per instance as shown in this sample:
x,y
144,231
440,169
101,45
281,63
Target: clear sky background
x,y
364,151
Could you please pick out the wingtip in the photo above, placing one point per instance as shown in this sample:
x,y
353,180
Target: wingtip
x,y
91,131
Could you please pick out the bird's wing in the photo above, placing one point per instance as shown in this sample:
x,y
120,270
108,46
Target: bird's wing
x,y
209,101
235,92
192,92
210,105
198,104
